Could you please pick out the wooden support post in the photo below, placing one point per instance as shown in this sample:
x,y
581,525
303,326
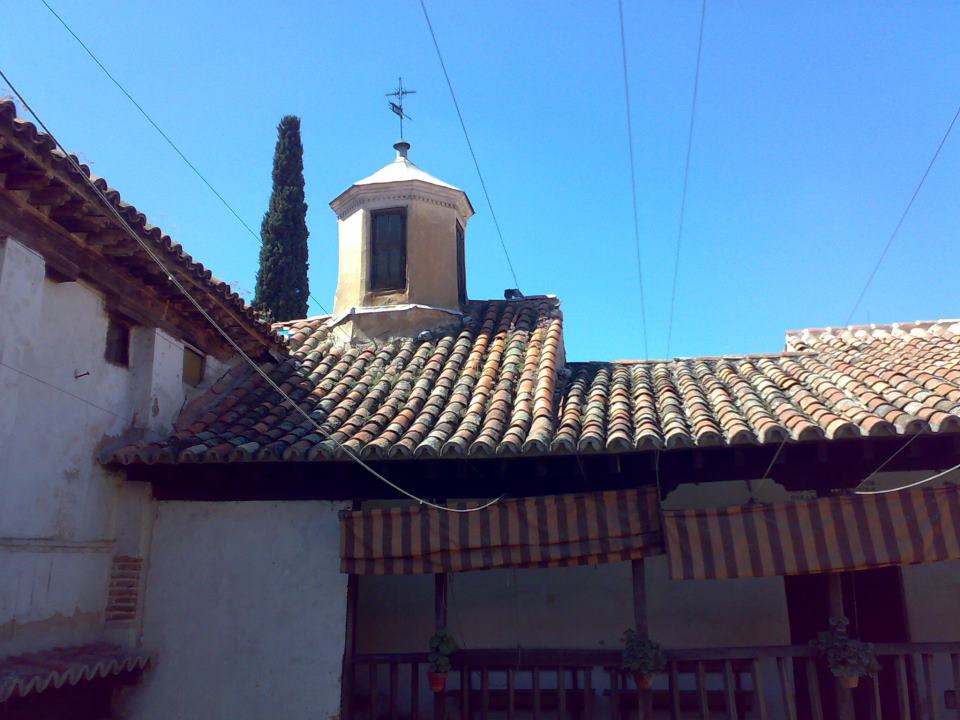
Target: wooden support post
x,y
645,697
639,598
843,696
347,671
439,622
835,588
440,601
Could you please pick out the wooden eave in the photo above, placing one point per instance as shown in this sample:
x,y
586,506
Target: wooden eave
x,y
822,467
59,216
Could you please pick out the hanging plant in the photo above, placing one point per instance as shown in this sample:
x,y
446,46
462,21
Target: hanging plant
x,y
442,646
642,657
847,658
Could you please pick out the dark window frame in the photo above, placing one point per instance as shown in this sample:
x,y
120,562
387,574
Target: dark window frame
x,y
389,282
461,264
117,344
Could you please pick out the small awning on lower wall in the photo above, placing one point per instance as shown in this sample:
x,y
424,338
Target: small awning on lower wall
x,y
851,532
33,673
546,531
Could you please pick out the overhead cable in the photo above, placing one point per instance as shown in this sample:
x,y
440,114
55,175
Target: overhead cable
x,y
466,135
633,182
686,176
903,216
62,390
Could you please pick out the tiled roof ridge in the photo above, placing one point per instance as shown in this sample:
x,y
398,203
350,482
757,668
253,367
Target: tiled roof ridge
x,y
799,338
170,250
693,358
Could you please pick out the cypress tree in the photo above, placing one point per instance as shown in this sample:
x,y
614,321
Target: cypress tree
x,y
282,288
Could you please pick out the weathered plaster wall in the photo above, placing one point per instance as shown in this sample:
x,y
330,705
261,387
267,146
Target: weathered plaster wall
x,y
61,512
246,607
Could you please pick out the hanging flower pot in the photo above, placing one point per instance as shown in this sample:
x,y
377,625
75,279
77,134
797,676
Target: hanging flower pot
x,y
442,646
847,658
643,658
644,681
850,681
438,681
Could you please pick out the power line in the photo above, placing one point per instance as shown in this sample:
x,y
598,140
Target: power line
x,y
908,486
860,297
466,135
166,137
633,181
223,333
903,217
901,487
686,175
62,390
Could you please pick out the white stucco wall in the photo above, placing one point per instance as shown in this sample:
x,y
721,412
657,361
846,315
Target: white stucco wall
x,y
245,607
61,511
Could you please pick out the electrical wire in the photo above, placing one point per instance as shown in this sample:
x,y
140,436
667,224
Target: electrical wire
x,y
256,236
686,176
860,297
633,181
170,276
907,486
903,217
62,390
466,135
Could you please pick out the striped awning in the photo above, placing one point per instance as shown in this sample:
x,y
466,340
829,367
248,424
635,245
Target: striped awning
x,y
851,532
544,531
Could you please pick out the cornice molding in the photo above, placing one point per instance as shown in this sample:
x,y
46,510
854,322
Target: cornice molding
x,y
364,196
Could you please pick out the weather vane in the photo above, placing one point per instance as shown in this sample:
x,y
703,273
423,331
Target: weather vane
x,y
397,107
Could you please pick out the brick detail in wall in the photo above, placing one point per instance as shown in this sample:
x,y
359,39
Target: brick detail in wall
x,y
124,589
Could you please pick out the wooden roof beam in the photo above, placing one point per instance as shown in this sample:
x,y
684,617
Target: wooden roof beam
x,y
252,339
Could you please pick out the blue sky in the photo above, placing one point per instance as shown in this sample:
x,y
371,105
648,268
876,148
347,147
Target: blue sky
x,y
815,122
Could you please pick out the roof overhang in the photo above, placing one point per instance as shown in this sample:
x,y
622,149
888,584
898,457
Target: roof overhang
x,y
50,206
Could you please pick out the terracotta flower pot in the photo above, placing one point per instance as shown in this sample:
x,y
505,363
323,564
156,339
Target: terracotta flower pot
x,y
438,681
850,681
643,680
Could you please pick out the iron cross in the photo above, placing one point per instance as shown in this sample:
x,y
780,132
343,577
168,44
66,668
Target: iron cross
x,y
397,107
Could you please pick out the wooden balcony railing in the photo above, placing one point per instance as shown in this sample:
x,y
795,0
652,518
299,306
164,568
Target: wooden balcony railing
x,y
919,681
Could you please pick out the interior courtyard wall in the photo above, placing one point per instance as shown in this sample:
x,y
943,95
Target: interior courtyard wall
x,y
245,608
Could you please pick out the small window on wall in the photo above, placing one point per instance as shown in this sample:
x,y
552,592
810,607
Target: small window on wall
x,y
388,249
117,351
193,366
461,267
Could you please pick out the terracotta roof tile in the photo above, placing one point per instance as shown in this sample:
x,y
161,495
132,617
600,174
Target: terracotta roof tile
x,y
499,385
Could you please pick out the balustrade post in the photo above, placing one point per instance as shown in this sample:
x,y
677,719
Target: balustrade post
x,y
645,697
843,696
440,621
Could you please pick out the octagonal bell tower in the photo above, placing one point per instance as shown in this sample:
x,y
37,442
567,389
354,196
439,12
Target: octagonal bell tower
x,y
402,250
